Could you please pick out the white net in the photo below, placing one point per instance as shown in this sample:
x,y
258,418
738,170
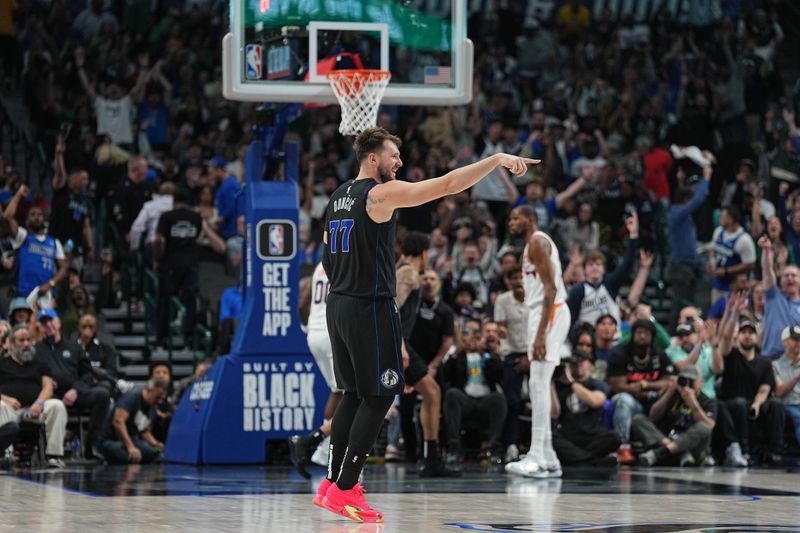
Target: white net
x,y
359,93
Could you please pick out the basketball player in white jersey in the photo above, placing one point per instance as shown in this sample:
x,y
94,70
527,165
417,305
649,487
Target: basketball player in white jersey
x,y
548,326
313,303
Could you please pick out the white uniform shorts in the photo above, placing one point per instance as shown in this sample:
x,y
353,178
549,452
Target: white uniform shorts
x,y
320,345
557,331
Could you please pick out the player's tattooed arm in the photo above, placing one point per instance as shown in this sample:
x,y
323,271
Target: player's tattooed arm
x,y
407,281
374,201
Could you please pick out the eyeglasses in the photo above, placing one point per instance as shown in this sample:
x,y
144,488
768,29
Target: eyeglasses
x,y
467,331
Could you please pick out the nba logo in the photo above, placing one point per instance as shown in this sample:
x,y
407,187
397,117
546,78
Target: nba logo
x,y
253,55
276,239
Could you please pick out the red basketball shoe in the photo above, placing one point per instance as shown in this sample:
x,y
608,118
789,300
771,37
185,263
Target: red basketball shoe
x,y
351,504
322,490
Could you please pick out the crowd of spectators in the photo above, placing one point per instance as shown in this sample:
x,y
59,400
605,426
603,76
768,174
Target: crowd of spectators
x,y
670,152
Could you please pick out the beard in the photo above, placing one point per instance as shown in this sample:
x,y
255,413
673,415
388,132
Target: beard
x,y
639,349
25,355
35,228
688,347
748,346
385,175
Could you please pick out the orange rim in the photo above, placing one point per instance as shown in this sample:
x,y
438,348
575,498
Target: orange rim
x,y
350,83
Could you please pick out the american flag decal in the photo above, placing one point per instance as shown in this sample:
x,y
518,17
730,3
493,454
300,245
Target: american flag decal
x,y
437,75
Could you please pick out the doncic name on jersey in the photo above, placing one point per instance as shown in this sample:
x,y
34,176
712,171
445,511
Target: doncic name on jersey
x,y
275,244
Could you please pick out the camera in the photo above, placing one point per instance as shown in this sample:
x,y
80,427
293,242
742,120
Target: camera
x,y
630,210
683,381
560,373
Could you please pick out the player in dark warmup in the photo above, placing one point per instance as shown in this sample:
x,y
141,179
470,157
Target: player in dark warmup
x,y
362,316
411,266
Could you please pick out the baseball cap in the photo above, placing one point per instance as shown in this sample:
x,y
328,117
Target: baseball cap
x,y
690,371
684,329
790,332
692,180
19,303
217,161
749,324
749,163
577,355
47,313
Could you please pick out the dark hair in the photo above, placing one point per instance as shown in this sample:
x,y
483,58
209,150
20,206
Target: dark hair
x,y
371,141
645,324
181,196
155,364
580,329
528,212
516,269
734,212
415,243
465,286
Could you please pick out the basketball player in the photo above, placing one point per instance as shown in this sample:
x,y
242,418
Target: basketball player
x,y
414,258
548,326
362,315
313,301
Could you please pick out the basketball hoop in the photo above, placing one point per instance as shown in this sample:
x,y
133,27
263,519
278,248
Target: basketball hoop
x,y
359,93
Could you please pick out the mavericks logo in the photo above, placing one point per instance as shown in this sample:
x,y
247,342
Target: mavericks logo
x,y
390,378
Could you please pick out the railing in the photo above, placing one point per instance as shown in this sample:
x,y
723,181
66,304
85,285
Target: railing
x,y
177,323
150,298
202,335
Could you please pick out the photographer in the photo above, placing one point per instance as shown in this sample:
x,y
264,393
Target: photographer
x,y
693,348
579,437
680,422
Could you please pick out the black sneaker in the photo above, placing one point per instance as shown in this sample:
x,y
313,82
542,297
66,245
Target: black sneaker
x,y
774,459
439,469
300,454
607,461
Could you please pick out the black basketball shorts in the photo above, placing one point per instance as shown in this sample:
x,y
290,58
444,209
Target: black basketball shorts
x,y
417,369
365,338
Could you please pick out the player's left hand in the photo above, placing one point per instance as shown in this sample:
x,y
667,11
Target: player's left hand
x,y
539,348
517,165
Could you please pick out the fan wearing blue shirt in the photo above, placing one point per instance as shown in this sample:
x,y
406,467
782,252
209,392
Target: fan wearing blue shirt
x,y
682,234
42,262
225,198
781,304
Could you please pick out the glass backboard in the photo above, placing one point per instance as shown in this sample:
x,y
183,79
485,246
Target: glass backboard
x,y
280,50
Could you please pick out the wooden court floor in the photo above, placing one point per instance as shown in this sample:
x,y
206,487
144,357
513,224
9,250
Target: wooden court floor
x,y
185,498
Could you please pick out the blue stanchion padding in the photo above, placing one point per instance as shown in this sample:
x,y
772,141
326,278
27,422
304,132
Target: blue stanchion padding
x,y
269,387
245,401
